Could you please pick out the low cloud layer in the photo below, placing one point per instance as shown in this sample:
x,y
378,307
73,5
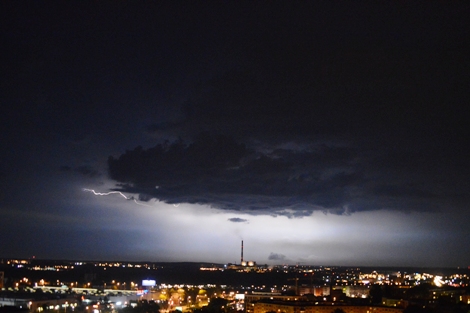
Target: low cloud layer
x,y
222,173
276,257
238,220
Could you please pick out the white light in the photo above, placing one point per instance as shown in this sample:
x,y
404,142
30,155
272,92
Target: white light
x,y
114,192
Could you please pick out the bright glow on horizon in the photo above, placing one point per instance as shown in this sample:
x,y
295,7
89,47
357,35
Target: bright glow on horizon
x,y
316,239
199,233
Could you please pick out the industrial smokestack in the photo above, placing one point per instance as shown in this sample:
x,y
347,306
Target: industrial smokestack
x,y
242,254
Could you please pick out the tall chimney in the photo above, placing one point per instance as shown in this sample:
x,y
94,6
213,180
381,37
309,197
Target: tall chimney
x,y
242,254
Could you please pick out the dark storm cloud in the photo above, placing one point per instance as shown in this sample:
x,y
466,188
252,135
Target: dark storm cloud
x,y
276,257
220,172
238,220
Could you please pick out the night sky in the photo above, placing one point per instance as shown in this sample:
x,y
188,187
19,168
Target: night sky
x,y
322,132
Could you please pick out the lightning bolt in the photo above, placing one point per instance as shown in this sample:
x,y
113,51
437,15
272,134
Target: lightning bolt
x,y
114,192
107,193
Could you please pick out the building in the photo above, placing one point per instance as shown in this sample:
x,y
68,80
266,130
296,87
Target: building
x,y
36,302
255,297
317,291
266,306
356,291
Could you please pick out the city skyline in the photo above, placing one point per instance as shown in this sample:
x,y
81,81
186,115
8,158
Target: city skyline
x,y
318,133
